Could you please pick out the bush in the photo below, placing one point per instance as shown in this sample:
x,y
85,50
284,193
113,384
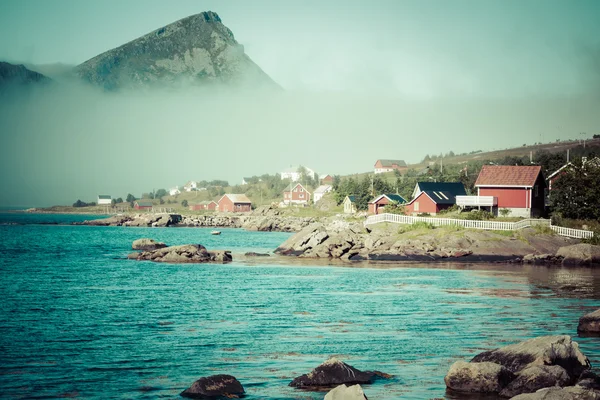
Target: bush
x,y
504,212
451,209
479,215
423,215
184,203
595,240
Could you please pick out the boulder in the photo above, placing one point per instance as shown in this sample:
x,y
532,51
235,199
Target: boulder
x,y
344,392
590,323
556,393
477,377
187,253
544,350
254,254
331,373
589,380
579,254
536,377
215,386
147,244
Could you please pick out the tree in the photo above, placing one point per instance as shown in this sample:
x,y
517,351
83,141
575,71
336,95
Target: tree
x,y
120,200
79,203
576,192
160,193
130,198
113,202
184,203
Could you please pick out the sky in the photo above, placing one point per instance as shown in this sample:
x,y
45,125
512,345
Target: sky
x,y
362,80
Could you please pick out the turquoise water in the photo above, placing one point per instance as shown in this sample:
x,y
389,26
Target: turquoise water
x,y
80,320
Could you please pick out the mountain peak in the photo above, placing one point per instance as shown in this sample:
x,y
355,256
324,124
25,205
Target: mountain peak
x,y
194,50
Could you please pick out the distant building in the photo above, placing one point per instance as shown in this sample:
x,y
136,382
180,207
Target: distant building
x,y
143,205
377,205
321,191
190,186
234,203
104,199
382,166
350,205
174,191
293,174
204,206
594,162
296,194
327,180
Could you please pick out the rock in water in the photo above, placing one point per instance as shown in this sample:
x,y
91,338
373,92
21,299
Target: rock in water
x,y
331,373
344,392
147,244
536,377
196,49
215,386
477,377
590,323
187,253
567,393
543,350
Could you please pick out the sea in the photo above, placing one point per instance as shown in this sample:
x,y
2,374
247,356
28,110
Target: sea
x,y
80,320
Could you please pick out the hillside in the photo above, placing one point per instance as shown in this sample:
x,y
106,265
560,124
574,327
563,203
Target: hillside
x,y
18,75
195,50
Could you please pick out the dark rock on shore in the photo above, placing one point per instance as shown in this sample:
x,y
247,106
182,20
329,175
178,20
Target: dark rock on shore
x,y
187,253
144,220
557,393
147,244
590,323
520,368
334,372
215,386
253,254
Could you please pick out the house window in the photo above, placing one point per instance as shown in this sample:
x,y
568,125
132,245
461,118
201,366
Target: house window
x,y
416,206
301,196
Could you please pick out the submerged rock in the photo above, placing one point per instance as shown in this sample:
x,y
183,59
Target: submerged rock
x,y
147,244
334,372
215,386
477,377
187,253
344,392
590,323
557,393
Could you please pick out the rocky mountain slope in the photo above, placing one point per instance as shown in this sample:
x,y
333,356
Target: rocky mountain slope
x,y
11,74
195,50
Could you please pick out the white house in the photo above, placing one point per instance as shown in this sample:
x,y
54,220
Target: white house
x,y
190,186
320,192
350,205
174,191
292,173
104,199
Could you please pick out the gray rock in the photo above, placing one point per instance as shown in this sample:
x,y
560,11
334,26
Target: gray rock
x,y
590,323
544,350
344,392
536,377
566,393
147,244
477,377
188,253
215,386
579,254
334,372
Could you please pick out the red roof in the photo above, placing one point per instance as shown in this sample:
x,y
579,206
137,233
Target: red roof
x,y
508,175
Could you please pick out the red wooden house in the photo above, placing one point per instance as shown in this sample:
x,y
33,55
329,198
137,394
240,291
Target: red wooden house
x,y
519,189
327,180
234,203
143,205
377,205
204,205
382,166
433,197
296,194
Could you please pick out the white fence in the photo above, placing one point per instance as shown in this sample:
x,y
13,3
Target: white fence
x,y
487,225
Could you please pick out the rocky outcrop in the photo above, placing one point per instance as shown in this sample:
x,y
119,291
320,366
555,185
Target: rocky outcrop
x,y
195,50
579,254
334,372
140,220
215,386
590,323
187,253
557,393
524,367
147,244
344,392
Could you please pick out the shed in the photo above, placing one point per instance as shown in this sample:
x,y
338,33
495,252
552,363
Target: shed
x,y
377,205
234,203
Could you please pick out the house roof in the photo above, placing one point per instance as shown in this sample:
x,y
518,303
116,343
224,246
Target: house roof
x,y
455,188
389,163
390,196
441,197
552,175
293,185
206,202
323,189
351,198
508,175
144,203
104,197
237,198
